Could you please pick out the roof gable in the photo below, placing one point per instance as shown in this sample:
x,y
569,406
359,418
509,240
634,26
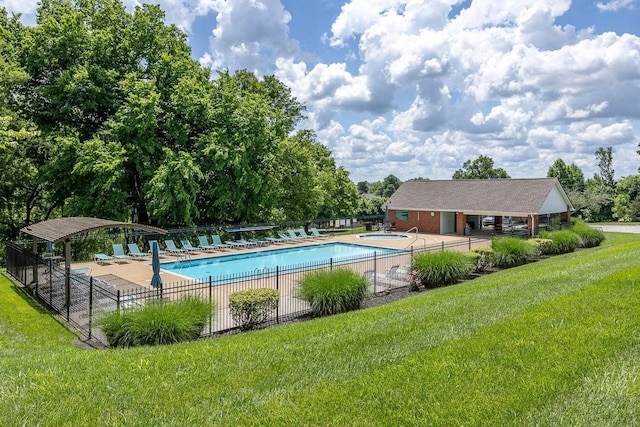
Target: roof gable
x,y
515,197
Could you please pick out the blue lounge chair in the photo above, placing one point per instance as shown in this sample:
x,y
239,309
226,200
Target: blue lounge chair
x,y
275,240
204,244
218,243
260,242
289,239
171,247
160,251
247,243
102,258
135,252
118,253
234,244
316,233
293,235
304,234
187,246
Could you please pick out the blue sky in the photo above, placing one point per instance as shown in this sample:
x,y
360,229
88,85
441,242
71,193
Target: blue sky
x,y
415,88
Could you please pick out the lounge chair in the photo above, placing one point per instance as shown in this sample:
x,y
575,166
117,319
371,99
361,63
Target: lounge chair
x,y
171,247
235,244
294,236
289,239
316,233
247,243
275,240
393,277
260,242
84,272
304,234
160,251
218,243
204,244
118,253
102,259
187,246
135,252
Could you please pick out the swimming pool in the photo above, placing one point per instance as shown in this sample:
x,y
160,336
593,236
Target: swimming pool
x,y
383,236
266,261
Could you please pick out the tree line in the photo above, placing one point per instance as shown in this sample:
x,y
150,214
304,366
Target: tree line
x,y
104,113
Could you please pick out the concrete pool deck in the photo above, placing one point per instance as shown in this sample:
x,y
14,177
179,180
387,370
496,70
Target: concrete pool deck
x,y
137,273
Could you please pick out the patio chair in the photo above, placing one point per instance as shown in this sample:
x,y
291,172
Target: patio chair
x,y
247,243
135,252
289,239
275,240
393,277
204,244
187,246
260,242
171,247
118,253
234,244
304,234
316,233
293,235
218,243
160,251
102,259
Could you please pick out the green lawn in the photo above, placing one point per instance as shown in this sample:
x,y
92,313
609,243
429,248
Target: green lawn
x,y
551,343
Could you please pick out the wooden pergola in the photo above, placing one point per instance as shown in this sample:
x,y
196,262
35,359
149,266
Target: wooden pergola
x,y
63,229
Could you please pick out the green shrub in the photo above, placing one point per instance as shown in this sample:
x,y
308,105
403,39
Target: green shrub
x,y
564,241
589,236
441,268
542,246
336,291
252,307
157,323
483,259
511,251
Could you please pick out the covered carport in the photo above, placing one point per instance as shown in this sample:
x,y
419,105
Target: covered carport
x,y
61,230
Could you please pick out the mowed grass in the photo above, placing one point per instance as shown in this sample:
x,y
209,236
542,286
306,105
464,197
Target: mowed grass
x,y
553,343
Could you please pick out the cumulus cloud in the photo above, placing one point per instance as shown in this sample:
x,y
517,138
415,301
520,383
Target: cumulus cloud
x,y
615,5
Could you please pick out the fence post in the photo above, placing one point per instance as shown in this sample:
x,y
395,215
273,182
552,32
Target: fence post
x,y
210,307
118,300
330,264
90,304
442,246
469,243
277,289
375,269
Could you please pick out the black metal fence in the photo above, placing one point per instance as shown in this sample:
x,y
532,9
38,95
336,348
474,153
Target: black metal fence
x,y
85,300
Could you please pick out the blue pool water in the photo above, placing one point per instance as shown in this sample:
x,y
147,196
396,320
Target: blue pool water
x,y
266,261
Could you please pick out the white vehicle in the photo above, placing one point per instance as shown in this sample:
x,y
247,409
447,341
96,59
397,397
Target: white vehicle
x,y
490,220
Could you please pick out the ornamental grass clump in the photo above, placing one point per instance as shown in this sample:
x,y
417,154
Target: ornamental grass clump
x,y
157,323
436,269
336,291
542,246
483,259
564,241
251,307
511,251
589,236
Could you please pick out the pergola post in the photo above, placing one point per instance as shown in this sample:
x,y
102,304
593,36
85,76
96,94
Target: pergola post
x,y
34,246
67,273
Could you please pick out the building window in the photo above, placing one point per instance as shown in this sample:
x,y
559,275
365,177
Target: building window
x,y
402,215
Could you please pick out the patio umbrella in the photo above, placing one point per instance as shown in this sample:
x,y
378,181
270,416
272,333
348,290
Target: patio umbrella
x,y
156,281
386,214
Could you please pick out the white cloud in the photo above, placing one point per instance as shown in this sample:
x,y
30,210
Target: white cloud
x,y
615,5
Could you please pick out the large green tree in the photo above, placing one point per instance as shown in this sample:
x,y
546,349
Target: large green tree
x,y
570,176
480,168
104,113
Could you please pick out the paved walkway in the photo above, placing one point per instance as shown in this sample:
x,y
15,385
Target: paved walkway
x,y
620,228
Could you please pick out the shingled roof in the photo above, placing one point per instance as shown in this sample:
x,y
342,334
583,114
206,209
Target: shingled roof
x,y
511,197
